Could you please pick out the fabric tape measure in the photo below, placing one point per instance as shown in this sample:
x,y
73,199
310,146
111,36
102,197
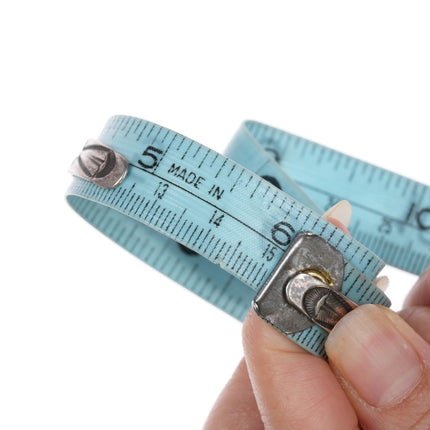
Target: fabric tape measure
x,y
247,228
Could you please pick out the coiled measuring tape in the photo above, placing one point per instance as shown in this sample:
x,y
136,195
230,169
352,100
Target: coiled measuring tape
x,y
238,229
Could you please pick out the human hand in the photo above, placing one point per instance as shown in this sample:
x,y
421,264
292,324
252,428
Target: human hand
x,y
377,377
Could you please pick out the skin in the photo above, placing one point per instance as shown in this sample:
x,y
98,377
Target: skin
x,y
278,385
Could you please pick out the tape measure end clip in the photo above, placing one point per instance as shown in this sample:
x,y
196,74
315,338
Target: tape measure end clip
x,y
100,164
305,288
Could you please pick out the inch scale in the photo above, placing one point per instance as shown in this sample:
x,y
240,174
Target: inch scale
x,y
233,218
391,212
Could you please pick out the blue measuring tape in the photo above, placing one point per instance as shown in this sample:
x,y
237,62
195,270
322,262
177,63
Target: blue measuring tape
x,y
228,228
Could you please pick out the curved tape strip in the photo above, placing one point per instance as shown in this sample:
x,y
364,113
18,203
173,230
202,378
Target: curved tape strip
x,y
219,214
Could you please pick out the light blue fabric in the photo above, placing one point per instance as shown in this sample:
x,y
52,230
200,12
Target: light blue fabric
x,y
229,226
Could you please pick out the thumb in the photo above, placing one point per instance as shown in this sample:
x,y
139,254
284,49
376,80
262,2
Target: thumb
x,y
384,368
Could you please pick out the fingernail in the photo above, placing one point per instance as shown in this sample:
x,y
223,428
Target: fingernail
x,y
382,282
371,349
341,211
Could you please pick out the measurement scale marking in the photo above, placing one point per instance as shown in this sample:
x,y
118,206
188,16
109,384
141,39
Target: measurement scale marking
x,y
171,142
209,244
186,151
211,204
281,217
237,180
155,213
204,158
159,217
358,205
222,166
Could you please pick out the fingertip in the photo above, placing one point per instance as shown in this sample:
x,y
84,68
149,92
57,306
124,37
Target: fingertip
x,y
376,351
340,213
258,333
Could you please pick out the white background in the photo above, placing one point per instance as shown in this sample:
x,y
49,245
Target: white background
x,y
82,344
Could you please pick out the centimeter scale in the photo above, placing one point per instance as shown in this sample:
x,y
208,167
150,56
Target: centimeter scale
x,y
246,227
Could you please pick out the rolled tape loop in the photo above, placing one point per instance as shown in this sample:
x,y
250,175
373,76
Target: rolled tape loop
x,y
218,226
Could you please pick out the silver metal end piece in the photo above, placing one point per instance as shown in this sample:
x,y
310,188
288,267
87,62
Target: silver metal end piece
x,y
100,164
305,288
319,302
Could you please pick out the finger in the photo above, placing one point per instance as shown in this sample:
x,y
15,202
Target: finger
x,y
384,367
293,389
304,397
418,317
235,408
420,292
340,215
